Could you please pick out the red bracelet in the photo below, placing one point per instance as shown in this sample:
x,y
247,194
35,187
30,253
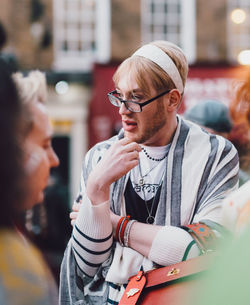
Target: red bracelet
x,y
118,228
122,229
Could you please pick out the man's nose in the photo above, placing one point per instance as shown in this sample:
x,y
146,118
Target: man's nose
x,y
123,109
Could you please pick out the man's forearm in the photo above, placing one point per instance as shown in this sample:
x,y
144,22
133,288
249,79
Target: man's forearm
x,y
92,236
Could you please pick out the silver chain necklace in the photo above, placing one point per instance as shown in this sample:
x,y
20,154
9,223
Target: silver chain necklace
x,y
150,219
142,180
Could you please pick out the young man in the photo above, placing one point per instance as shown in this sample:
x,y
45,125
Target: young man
x,y
161,170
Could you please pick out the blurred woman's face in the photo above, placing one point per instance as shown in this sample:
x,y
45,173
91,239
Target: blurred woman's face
x,y
39,155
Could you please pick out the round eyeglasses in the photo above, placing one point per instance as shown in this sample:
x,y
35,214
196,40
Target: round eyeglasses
x,y
131,105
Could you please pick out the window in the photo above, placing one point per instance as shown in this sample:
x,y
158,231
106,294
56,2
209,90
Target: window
x,y
172,20
238,28
81,33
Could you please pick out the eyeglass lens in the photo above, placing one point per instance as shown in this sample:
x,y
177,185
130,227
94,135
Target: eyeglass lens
x,y
129,104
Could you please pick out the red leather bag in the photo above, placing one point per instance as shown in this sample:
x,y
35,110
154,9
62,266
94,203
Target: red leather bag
x,y
175,284
171,285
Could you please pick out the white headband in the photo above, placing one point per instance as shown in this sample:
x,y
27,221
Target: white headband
x,y
159,57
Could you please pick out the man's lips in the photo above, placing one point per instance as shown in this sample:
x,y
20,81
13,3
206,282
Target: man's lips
x,y
129,125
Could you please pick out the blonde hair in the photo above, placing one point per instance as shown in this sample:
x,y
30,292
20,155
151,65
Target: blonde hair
x,y
30,87
144,69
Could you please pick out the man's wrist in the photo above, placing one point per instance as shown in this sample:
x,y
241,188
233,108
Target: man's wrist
x,y
97,193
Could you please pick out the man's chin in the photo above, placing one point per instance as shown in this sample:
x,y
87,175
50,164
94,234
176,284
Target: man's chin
x,y
133,137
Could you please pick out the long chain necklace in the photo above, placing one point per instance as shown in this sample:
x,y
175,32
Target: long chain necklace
x,y
151,158
150,219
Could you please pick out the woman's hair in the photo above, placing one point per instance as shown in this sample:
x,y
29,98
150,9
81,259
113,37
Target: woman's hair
x,y
31,87
240,114
144,70
11,168
240,106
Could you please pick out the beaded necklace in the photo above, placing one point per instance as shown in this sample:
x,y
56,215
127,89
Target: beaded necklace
x,y
151,158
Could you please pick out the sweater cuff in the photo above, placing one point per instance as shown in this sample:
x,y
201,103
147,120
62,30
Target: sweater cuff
x,y
94,220
169,245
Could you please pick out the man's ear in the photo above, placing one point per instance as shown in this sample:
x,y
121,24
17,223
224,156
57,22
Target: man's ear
x,y
174,100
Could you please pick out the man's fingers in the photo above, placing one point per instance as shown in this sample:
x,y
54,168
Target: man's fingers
x,y
133,155
133,147
76,207
124,141
128,145
73,215
133,163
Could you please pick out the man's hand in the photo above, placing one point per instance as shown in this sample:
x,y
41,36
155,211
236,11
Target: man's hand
x,y
74,213
119,159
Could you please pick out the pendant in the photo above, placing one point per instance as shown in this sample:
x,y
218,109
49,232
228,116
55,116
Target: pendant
x,y
150,220
141,181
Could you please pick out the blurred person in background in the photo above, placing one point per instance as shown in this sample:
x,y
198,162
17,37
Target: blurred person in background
x,y
40,156
140,189
48,224
239,135
26,159
213,115
236,209
228,281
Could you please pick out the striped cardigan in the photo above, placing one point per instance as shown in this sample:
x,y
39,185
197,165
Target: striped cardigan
x,y
201,169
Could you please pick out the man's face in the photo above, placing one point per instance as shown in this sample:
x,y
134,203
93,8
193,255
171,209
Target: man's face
x,y
147,127
39,155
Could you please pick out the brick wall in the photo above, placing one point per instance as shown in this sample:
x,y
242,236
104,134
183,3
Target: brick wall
x,y
125,28
125,35
16,18
211,30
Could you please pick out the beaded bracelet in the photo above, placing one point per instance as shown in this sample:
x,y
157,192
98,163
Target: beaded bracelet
x,y
127,231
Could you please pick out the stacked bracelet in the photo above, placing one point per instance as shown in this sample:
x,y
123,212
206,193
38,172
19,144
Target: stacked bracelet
x,y
120,229
127,231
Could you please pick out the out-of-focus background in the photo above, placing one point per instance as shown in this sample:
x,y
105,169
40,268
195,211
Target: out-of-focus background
x,y
79,44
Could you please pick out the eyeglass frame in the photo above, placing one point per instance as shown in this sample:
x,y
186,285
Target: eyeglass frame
x,y
140,104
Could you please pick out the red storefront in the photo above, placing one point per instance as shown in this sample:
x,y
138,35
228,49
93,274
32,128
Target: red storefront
x,y
202,83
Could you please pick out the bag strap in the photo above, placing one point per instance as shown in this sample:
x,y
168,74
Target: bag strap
x,y
180,270
164,275
203,235
133,289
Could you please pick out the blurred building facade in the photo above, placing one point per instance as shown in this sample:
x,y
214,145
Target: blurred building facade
x,y
78,41
69,35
